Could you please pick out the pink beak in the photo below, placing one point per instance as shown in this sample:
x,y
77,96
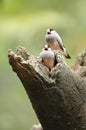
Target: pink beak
x,y
48,32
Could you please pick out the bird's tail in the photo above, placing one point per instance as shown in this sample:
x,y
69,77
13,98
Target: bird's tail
x,y
66,54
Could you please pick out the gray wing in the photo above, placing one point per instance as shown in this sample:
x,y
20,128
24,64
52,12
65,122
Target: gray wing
x,y
59,40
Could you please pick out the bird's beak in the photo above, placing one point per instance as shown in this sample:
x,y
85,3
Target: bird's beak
x,y
48,32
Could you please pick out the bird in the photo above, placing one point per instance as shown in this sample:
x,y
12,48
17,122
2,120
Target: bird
x,y
48,57
55,42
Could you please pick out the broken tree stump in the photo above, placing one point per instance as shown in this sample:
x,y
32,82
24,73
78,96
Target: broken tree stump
x,y
58,97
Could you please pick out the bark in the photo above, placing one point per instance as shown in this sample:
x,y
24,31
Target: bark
x,y
58,96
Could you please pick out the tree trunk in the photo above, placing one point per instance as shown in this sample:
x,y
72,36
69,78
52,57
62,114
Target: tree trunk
x,y
58,96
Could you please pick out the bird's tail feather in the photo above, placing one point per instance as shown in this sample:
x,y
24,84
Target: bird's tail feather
x,y
66,54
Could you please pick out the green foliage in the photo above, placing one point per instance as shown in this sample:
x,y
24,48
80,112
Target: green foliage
x,y
24,22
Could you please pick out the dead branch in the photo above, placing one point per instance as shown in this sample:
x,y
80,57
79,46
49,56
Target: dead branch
x,y
58,97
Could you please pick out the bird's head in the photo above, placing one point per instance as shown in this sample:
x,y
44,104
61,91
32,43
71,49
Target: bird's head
x,y
49,31
46,52
47,48
50,34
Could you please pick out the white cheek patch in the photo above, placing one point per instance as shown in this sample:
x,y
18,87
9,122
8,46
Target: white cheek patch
x,y
48,30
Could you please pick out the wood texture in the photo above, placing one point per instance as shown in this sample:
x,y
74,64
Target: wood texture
x,y
58,97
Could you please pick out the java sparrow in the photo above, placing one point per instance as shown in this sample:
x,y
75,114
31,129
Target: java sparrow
x,y
55,42
47,56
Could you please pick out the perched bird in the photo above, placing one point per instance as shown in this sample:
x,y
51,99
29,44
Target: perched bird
x,y
47,56
55,42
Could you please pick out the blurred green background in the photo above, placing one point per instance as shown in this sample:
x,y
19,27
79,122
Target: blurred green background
x,y
24,22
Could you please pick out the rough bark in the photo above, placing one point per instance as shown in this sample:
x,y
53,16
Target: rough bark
x,y
58,97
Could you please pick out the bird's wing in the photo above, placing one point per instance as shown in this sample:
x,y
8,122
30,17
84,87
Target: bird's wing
x,y
59,40
61,45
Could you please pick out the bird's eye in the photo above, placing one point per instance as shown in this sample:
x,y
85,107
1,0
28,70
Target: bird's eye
x,y
51,29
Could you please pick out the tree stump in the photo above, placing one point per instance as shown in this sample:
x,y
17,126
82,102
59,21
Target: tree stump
x,y
58,96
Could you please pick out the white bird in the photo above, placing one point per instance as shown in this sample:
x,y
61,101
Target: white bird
x,y
55,42
48,57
